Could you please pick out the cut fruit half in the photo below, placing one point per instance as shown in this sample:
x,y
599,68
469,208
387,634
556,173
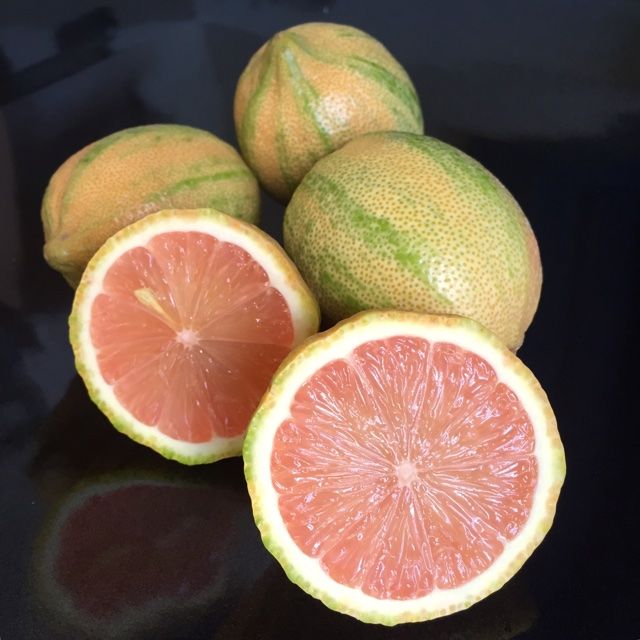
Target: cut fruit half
x,y
178,325
403,466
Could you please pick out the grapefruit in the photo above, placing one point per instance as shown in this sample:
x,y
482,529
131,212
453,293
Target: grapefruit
x,y
403,466
311,88
396,220
129,174
178,324
121,554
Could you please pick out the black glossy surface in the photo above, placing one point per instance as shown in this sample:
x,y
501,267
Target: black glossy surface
x,y
546,94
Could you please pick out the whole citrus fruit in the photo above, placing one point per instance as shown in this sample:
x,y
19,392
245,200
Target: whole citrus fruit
x,y
310,89
129,174
397,220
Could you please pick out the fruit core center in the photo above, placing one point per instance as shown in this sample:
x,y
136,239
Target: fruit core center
x,y
187,337
406,473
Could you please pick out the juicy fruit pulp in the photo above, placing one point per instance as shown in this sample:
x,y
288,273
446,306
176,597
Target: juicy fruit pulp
x,y
176,352
404,467
402,221
129,174
311,88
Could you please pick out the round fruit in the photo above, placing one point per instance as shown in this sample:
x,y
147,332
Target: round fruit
x,y
403,466
127,175
396,220
178,324
122,554
310,89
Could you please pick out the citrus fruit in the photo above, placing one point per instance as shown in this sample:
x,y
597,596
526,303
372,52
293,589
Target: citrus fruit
x,y
403,466
311,88
121,554
129,174
178,324
396,220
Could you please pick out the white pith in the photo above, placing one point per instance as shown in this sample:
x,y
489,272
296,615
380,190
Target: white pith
x,y
267,254
439,601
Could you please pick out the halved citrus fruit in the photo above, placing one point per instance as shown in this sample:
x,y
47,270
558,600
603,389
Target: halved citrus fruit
x,y
403,466
178,325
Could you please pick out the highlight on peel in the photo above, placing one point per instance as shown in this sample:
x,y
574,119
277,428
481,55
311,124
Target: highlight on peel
x,y
402,466
178,325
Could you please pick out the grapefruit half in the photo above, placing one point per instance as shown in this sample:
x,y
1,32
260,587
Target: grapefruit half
x,y
403,466
178,325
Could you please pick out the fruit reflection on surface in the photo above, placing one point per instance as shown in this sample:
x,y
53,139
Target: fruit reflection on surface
x,y
122,553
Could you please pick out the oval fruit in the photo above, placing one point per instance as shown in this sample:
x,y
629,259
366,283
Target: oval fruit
x,y
311,88
397,220
403,466
129,174
178,325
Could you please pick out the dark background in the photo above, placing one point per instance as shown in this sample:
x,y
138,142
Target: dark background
x,y
546,94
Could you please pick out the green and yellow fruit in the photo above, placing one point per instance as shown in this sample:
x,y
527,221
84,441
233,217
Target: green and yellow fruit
x,y
397,220
129,174
310,89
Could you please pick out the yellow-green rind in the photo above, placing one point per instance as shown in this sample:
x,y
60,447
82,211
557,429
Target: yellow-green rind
x,y
288,374
395,220
308,324
134,172
308,90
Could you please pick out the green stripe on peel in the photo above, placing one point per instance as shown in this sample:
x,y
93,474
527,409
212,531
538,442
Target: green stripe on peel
x,y
372,230
249,121
465,174
349,32
329,282
96,149
456,164
349,283
192,183
99,147
306,95
390,82
283,157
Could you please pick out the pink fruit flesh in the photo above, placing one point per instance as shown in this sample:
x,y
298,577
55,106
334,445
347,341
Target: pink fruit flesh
x,y
189,332
405,467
